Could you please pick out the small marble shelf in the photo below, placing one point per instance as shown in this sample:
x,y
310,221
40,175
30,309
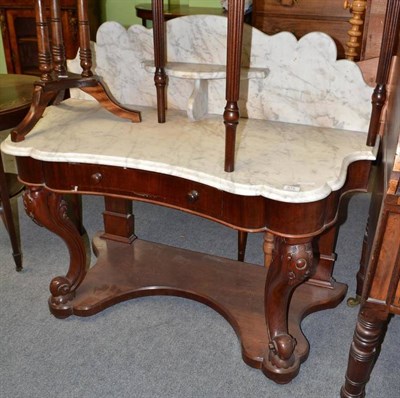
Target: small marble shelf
x,y
184,70
198,102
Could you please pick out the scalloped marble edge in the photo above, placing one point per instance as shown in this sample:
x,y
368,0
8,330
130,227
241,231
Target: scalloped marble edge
x,y
243,181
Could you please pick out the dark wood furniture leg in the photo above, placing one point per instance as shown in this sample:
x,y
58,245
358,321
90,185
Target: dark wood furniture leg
x,y
360,276
49,209
292,263
367,340
242,242
7,215
118,220
15,99
325,246
265,305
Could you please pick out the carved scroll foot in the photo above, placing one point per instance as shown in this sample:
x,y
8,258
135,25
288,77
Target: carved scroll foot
x,y
292,263
48,209
364,350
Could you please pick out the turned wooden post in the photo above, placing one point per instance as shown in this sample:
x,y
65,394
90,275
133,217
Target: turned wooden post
x,y
382,75
357,8
42,30
367,340
233,60
160,78
58,49
85,52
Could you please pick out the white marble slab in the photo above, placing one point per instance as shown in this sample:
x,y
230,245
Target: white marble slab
x,y
305,83
286,162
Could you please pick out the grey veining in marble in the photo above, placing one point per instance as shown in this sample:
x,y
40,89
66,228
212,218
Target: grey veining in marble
x,y
308,113
286,162
305,83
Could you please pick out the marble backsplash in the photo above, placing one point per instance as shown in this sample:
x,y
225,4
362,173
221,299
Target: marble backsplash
x,y
305,83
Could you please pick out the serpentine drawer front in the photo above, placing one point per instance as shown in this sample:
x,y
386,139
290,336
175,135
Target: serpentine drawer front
x,y
144,185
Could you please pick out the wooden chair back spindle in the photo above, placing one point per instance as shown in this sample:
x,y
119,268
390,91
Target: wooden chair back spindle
x,y
58,49
84,38
382,75
44,52
160,78
233,61
55,78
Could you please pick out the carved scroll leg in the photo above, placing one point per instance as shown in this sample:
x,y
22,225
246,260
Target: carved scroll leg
x,y
292,262
40,100
364,350
48,209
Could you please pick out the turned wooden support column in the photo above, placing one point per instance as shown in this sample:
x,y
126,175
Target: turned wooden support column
x,y
85,52
160,78
382,76
48,209
58,49
364,350
233,61
42,30
357,8
292,263
268,248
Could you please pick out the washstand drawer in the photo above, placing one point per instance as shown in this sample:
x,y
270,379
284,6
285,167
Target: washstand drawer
x,y
137,184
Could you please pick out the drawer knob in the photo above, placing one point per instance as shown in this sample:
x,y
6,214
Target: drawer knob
x,y
288,3
193,196
96,178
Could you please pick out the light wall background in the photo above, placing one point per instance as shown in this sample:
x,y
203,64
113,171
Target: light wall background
x,y
123,11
